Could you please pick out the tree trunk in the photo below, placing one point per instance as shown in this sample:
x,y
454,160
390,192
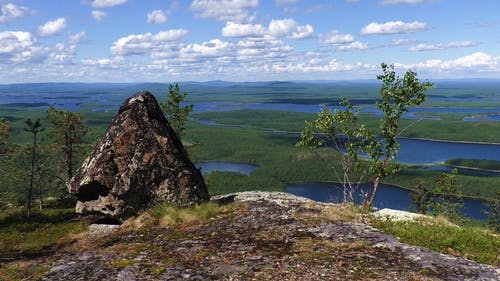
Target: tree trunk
x,y
376,184
40,190
32,175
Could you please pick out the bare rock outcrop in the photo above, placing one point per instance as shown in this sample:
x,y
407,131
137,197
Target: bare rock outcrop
x,y
139,161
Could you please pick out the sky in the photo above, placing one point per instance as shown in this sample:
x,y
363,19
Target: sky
x,y
245,40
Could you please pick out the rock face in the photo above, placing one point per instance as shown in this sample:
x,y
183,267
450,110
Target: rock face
x,y
139,161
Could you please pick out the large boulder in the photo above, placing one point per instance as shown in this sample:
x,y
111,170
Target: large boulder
x,y
139,161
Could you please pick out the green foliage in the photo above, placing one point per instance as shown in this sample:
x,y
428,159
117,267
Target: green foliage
x,y
339,129
34,128
43,231
419,197
175,113
474,163
67,135
5,128
494,213
446,198
5,157
381,148
467,241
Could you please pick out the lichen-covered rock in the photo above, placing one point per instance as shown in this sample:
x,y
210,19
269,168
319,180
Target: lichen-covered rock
x,y
139,161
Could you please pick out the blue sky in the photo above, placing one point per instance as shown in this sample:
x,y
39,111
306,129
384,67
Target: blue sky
x,y
245,40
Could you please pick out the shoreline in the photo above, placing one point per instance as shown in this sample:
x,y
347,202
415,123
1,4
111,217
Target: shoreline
x,y
451,141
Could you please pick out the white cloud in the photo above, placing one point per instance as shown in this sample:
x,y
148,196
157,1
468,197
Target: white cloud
x,y
225,10
107,3
343,42
77,38
476,62
282,27
335,37
302,32
212,48
98,15
243,30
395,2
10,11
20,47
52,27
157,17
289,28
399,42
276,28
146,43
115,62
394,27
441,46
353,46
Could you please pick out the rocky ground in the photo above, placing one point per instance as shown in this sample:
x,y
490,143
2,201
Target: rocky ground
x,y
268,236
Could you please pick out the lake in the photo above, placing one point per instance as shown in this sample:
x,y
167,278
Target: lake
x,y
417,151
388,196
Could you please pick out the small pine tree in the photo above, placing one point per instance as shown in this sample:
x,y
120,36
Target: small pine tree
x,y
67,133
494,213
175,113
4,135
446,197
34,128
420,197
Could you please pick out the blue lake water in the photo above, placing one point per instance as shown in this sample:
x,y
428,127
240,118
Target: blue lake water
x,y
488,113
419,151
210,166
416,151
98,100
388,196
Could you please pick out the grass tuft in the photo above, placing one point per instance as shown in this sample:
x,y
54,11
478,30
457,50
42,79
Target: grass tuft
x,y
168,215
470,242
46,230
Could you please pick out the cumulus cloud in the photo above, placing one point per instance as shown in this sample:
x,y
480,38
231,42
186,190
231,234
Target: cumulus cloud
x,y
478,62
290,29
144,43
276,28
115,62
98,15
10,11
225,10
107,3
396,2
399,42
282,27
335,37
157,17
19,47
210,49
302,32
233,29
356,45
394,27
51,28
441,46
343,42
77,37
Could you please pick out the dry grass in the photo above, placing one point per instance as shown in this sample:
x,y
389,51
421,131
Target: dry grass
x,y
313,213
